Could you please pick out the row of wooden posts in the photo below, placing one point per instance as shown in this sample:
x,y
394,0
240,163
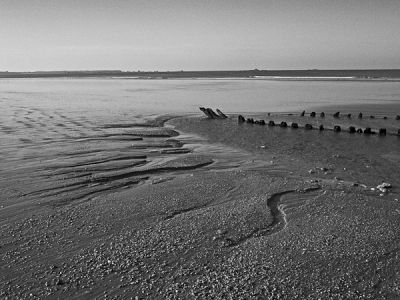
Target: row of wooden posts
x,y
220,115
337,115
294,125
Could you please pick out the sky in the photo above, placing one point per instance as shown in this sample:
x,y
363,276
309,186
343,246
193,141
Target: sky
x,y
198,35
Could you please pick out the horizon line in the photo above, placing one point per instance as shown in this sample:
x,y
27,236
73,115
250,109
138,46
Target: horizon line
x,y
199,70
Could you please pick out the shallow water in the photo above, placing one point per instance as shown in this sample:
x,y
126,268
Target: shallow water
x,y
64,140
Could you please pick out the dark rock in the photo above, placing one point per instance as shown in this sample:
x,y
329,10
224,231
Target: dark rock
x,y
336,114
385,118
322,115
398,117
321,127
308,126
295,125
271,123
382,131
312,114
352,129
349,116
241,119
360,115
359,130
372,117
302,114
283,124
336,128
257,122
262,122
398,132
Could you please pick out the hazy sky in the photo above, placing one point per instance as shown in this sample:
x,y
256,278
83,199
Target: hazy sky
x,y
198,35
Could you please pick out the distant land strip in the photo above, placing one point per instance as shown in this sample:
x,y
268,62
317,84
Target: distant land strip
x,y
307,74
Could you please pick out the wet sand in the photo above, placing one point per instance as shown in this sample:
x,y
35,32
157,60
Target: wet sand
x,y
120,210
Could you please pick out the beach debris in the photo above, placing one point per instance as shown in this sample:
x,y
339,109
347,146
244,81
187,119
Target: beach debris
x,y
308,126
211,114
302,113
337,128
336,114
321,127
322,115
295,125
206,112
241,119
360,115
312,114
398,117
283,124
311,171
382,131
349,116
221,114
271,123
359,130
384,187
352,129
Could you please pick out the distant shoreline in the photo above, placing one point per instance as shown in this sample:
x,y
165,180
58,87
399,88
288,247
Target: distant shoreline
x,y
314,74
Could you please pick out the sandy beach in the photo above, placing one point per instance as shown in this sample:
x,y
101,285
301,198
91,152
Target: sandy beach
x,y
188,207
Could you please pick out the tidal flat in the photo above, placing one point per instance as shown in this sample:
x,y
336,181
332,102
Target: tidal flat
x,y
184,207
